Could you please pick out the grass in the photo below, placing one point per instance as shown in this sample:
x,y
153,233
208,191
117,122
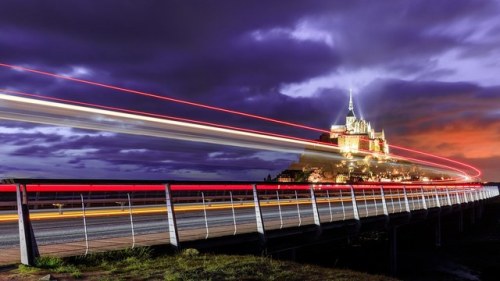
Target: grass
x,y
48,262
142,264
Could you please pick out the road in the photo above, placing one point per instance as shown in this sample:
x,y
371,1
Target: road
x,y
115,227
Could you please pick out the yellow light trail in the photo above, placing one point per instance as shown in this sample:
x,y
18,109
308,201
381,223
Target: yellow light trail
x,y
186,208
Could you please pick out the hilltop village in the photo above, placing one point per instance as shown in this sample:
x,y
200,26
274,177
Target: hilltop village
x,y
363,155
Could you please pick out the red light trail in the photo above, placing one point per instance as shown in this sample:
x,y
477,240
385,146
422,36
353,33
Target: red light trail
x,y
163,97
165,117
161,116
477,171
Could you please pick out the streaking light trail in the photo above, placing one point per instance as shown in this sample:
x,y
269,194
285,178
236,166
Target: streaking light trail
x,y
223,126
23,109
476,171
162,97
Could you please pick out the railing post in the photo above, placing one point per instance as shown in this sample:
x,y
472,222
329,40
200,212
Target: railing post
x,y
205,214
419,203
85,226
375,202
458,198
438,204
399,202
234,214
448,198
413,200
354,204
407,204
131,220
298,208
314,203
27,242
366,204
342,203
329,205
279,209
392,201
384,203
172,221
424,204
258,214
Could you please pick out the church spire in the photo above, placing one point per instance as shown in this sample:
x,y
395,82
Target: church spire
x,y
351,106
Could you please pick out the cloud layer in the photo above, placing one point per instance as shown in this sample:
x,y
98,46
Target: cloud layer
x,y
424,71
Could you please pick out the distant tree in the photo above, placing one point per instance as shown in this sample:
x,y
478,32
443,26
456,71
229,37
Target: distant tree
x,y
268,178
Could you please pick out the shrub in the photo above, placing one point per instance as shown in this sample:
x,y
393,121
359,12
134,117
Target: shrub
x,y
48,262
190,253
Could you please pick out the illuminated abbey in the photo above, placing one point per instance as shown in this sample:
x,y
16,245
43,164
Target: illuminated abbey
x,y
363,156
354,139
356,135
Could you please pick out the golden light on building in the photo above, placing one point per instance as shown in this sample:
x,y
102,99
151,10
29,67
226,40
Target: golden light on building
x,y
357,134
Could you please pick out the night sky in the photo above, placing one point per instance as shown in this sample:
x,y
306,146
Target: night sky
x,y
425,71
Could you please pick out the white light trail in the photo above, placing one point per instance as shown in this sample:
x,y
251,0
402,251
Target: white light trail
x,y
60,114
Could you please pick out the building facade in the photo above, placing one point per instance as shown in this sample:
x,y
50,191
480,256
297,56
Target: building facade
x,y
356,135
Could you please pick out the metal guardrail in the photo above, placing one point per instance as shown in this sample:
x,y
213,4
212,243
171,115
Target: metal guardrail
x,y
77,219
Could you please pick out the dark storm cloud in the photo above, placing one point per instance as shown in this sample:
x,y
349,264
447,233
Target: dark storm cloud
x,y
182,50
144,156
390,32
184,42
457,120
407,105
239,55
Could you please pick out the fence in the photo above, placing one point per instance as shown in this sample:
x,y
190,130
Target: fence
x,y
77,219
